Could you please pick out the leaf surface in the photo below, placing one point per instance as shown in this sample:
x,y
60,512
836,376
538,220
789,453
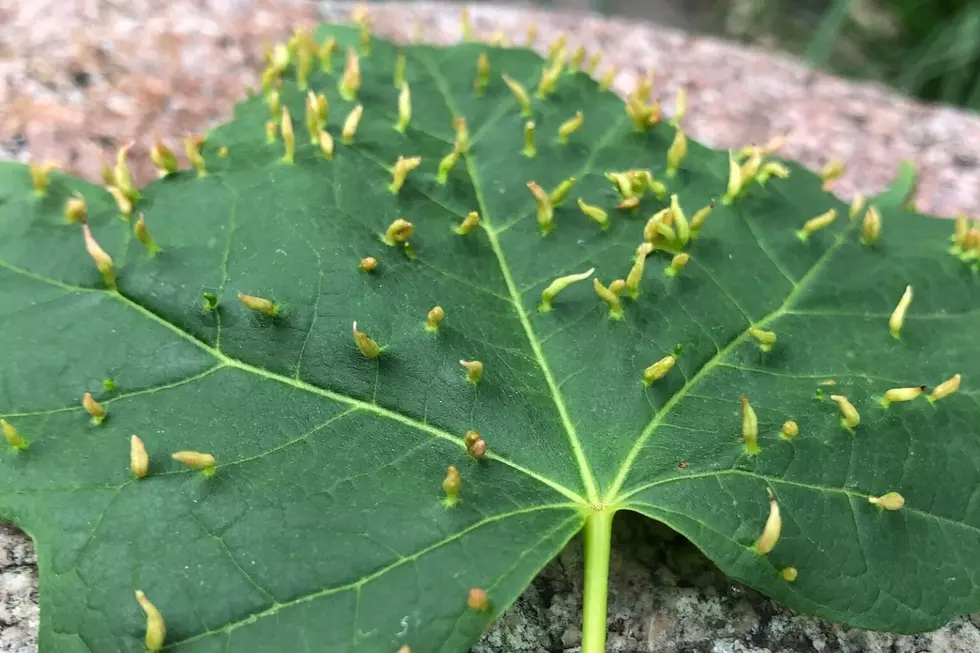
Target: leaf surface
x,y
324,528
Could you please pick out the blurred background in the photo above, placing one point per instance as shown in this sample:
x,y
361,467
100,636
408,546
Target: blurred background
x,y
927,48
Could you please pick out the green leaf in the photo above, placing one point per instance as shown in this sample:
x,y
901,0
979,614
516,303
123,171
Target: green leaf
x,y
324,527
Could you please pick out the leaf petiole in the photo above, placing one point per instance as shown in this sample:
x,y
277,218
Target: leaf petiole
x,y
598,535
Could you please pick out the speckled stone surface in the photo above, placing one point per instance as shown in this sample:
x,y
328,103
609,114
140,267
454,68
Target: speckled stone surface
x,y
80,78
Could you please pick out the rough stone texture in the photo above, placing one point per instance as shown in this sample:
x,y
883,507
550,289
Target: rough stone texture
x,y
80,78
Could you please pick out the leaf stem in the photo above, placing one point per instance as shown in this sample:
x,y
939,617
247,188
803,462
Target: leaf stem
x,y
598,536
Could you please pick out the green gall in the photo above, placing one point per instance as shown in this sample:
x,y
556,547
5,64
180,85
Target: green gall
x,y
766,339
772,530
279,57
122,201
635,275
871,225
350,82
466,29
558,285
897,318
325,142
156,630
351,122
122,175
676,153
549,79
404,108
398,79
607,79
789,430
312,118
857,205
699,217
192,148
611,298
470,438
109,384
530,149
75,209
520,94
164,160
556,49
594,213
326,54
750,427
12,436
103,262
271,131
209,301
561,191
462,129
95,410
288,137
471,222
831,172
482,74
680,107
641,114
304,66
400,170
474,370
658,370
451,485
142,234
850,418
41,175
734,180
139,460
545,209
901,394
677,264
532,35
629,203
272,100
433,318
945,389
446,165
889,501
680,221
223,151
788,574
398,232
477,600
366,344
575,63
812,225
259,304
204,462
570,126
771,169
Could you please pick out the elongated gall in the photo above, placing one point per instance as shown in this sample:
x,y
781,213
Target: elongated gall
x,y
789,430
545,209
897,319
611,298
156,629
398,232
365,343
451,485
259,304
13,436
750,427
813,225
766,339
850,418
902,394
560,284
477,600
889,501
658,370
204,462
434,317
471,222
945,388
773,528
139,460
474,370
